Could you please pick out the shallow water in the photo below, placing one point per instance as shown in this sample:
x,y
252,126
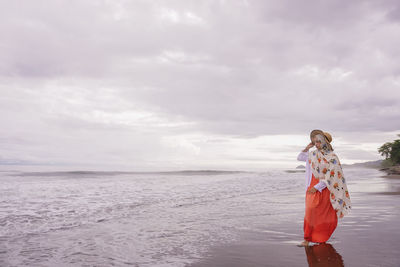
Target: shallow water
x,y
166,219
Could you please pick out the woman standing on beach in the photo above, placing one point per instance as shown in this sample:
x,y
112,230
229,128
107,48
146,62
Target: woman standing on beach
x,y
327,197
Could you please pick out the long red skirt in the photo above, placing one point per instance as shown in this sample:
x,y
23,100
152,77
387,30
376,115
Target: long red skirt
x,y
320,218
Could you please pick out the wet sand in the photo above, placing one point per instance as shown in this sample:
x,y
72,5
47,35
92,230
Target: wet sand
x,y
392,176
395,186
362,244
367,237
371,244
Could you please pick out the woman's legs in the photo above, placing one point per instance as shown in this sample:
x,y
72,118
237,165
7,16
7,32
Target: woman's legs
x,y
305,243
320,218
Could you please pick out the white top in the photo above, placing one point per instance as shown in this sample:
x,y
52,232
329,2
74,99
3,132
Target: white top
x,y
303,156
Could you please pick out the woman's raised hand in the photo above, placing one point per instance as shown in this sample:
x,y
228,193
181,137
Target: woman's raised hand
x,y
310,145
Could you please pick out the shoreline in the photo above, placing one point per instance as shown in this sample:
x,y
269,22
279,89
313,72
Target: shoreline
x,y
368,236
392,170
391,176
349,246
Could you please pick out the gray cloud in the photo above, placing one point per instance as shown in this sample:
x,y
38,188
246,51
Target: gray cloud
x,y
120,79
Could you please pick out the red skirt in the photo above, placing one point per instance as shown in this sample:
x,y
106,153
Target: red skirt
x,y
320,218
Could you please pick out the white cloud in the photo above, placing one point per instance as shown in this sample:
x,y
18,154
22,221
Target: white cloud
x,y
175,16
199,84
331,75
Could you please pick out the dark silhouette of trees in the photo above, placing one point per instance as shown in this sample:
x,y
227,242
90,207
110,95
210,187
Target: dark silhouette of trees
x,y
391,151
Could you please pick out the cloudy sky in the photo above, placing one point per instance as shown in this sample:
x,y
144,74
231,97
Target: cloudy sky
x,y
189,84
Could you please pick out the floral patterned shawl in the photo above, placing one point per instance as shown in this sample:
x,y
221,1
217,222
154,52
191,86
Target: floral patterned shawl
x,y
325,165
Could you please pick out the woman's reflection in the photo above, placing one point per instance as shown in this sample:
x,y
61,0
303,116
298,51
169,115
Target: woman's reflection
x,y
323,255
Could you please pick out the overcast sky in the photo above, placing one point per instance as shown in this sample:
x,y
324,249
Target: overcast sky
x,y
172,85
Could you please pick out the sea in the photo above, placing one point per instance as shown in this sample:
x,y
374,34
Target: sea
x,y
90,218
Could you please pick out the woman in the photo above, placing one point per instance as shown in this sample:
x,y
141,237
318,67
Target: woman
x,y
327,197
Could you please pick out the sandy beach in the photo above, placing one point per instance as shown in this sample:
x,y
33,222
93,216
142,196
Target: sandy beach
x,y
368,237
366,242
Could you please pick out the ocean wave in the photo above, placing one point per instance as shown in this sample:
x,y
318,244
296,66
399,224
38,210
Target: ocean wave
x,y
113,173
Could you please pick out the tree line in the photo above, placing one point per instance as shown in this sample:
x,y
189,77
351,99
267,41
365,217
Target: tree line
x,y
391,152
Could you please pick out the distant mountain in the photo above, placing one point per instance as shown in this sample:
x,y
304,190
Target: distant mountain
x,y
368,164
301,167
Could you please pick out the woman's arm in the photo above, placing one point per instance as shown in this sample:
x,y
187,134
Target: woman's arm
x,y
303,156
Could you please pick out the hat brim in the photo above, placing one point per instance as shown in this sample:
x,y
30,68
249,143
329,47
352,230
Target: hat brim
x,y
315,132
328,137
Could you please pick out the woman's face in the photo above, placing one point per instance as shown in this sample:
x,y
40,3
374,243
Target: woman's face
x,y
317,143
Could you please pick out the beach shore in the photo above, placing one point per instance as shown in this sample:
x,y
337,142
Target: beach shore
x,y
367,237
393,170
365,243
189,219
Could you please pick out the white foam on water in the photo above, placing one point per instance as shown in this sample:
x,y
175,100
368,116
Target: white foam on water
x,y
157,219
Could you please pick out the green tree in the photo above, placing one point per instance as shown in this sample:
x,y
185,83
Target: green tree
x,y
391,151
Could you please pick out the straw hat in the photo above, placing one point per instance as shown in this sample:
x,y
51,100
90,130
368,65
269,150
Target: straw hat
x,y
315,132
328,136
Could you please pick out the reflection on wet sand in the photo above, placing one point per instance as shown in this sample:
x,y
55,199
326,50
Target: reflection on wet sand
x,y
323,255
